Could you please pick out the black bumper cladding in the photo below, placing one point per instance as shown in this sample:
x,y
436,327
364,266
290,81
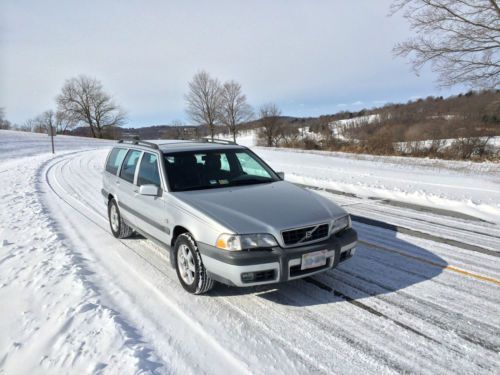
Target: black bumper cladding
x,y
284,256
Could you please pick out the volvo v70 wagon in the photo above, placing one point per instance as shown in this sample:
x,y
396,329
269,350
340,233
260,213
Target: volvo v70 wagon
x,y
222,213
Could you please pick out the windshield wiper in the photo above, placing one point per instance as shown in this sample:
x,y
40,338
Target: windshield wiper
x,y
200,187
250,181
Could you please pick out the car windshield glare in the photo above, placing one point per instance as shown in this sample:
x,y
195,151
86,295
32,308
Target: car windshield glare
x,y
199,170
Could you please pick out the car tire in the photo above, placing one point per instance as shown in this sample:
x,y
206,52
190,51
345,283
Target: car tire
x,y
190,269
118,227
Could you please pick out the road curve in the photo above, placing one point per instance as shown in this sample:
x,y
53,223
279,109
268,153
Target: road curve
x,y
384,311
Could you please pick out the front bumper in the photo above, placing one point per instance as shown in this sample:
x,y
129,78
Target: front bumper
x,y
276,264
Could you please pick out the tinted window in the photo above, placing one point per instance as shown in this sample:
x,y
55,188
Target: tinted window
x,y
115,159
215,169
128,168
224,163
148,171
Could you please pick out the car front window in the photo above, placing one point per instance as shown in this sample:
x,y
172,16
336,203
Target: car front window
x,y
198,170
148,171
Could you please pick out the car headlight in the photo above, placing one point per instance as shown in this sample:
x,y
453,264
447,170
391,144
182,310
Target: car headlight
x,y
234,242
341,223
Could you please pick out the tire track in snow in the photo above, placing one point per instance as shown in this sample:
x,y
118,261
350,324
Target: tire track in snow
x,y
91,209
367,308
392,264
311,361
194,325
429,311
137,253
96,212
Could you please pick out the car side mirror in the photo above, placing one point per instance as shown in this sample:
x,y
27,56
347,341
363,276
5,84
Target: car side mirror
x,y
149,190
281,175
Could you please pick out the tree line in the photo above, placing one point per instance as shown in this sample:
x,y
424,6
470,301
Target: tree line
x,y
459,127
210,104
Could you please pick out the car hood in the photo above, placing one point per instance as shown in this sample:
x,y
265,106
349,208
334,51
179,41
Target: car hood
x,y
262,208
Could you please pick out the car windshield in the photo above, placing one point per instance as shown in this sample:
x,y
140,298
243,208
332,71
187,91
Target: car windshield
x,y
197,170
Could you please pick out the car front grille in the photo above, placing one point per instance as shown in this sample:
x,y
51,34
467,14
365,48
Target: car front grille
x,y
304,235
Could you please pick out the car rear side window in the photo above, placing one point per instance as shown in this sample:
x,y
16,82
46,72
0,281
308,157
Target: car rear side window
x,y
148,170
129,164
115,159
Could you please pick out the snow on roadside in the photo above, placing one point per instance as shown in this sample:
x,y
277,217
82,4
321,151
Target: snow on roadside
x,y
52,318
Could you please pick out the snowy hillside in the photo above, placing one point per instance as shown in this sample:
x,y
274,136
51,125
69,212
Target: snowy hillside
x,y
338,127
421,295
15,144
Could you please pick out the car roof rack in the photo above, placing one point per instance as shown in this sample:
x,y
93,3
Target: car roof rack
x,y
217,140
140,143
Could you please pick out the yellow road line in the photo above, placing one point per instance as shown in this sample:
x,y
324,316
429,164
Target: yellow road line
x,y
474,275
435,264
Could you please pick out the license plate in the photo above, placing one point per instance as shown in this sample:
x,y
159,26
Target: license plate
x,y
312,260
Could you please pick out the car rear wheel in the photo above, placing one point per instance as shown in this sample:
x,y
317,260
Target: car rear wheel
x,y
118,227
190,269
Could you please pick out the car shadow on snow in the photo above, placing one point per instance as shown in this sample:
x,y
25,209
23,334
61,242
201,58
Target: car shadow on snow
x,y
383,263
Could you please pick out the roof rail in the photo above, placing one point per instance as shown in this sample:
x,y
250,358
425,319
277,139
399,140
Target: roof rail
x,y
140,143
217,140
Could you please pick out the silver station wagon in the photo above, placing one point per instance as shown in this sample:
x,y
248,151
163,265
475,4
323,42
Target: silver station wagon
x,y
222,213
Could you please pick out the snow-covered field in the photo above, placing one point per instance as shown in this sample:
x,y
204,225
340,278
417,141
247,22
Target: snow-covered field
x,y
422,299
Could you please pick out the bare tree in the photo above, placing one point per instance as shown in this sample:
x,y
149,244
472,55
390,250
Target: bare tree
x,y
467,147
272,126
59,122
4,123
234,107
460,38
64,122
84,101
43,122
27,126
204,100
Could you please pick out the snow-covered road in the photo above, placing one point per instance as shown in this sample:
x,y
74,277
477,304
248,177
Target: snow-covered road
x,y
77,300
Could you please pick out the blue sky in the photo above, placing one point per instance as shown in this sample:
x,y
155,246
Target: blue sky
x,y
309,57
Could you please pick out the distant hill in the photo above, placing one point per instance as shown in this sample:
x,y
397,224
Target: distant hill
x,y
468,114
473,114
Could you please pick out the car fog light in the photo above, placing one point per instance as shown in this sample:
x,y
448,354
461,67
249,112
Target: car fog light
x,y
247,276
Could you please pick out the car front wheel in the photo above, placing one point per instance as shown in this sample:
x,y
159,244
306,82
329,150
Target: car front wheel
x,y
190,269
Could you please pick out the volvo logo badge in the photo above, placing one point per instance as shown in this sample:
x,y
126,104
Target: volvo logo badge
x,y
309,234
